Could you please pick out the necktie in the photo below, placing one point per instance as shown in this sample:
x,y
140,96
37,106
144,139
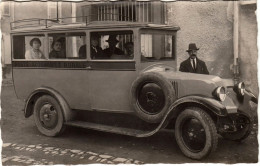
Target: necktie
x,y
94,48
194,65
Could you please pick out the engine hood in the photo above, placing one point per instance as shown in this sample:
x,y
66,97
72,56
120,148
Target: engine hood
x,y
188,83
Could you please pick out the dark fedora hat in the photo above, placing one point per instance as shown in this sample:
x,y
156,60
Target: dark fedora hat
x,y
192,46
112,38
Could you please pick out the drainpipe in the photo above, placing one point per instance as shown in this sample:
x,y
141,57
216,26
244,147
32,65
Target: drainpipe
x,y
235,41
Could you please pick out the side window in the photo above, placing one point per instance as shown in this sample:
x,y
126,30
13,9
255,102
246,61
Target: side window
x,y
157,47
28,47
112,45
67,46
57,46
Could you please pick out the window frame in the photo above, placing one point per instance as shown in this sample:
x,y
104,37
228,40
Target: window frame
x,y
173,33
113,30
67,59
27,34
46,51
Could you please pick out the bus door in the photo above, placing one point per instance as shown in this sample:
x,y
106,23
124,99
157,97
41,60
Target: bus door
x,y
112,70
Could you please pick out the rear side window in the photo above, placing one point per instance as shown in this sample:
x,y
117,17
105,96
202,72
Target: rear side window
x,y
29,46
67,45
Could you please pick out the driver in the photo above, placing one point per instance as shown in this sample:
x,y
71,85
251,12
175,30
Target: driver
x,y
112,49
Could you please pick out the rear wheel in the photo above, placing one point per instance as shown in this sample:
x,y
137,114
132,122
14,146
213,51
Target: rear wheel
x,y
196,133
48,116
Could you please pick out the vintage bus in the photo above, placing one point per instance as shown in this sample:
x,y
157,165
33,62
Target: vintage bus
x,y
122,77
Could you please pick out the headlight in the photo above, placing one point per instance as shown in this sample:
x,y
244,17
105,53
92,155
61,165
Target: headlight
x,y
221,93
240,88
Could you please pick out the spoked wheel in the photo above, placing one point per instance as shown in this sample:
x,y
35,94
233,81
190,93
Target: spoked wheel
x,y
244,125
195,133
48,116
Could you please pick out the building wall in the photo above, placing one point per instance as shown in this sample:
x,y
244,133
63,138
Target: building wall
x,y
210,26
248,46
27,10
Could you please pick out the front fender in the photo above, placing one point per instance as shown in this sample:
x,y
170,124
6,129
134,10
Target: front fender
x,y
217,107
28,110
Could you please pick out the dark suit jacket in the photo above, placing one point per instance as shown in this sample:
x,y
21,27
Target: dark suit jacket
x,y
57,54
97,54
117,51
201,67
93,53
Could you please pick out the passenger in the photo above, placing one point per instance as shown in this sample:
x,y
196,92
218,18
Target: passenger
x,y
129,47
56,50
96,51
112,49
34,52
82,52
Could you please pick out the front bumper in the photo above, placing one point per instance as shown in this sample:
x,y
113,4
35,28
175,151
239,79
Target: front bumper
x,y
239,111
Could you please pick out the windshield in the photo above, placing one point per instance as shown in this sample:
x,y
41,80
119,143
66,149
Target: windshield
x,y
157,46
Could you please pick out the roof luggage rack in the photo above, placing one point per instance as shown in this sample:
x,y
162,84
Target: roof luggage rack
x,y
45,23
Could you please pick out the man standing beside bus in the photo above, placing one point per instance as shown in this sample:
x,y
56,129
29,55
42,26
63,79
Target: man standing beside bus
x,y
193,64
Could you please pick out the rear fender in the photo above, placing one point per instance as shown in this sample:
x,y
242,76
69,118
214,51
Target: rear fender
x,y
29,105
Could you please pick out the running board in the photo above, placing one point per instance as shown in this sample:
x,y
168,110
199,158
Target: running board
x,y
110,129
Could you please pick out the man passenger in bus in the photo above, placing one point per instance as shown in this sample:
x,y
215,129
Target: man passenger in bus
x,y
82,52
34,52
112,49
56,50
129,47
95,50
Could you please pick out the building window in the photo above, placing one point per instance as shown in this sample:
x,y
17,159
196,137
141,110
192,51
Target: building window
x,y
6,9
54,10
135,11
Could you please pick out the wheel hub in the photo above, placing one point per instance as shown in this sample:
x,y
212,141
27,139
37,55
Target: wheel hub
x,y
193,134
151,98
48,116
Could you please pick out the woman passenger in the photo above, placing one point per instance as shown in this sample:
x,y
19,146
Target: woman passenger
x,y
34,52
56,50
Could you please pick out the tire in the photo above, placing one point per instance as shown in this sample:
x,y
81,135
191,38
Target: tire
x,y
48,116
152,96
196,133
243,131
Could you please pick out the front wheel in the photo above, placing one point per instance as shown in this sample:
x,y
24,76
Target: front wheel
x,y
48,116
196,133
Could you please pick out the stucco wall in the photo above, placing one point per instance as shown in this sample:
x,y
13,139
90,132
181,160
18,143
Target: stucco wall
x,y
206,24
248,46
210,26
26,10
